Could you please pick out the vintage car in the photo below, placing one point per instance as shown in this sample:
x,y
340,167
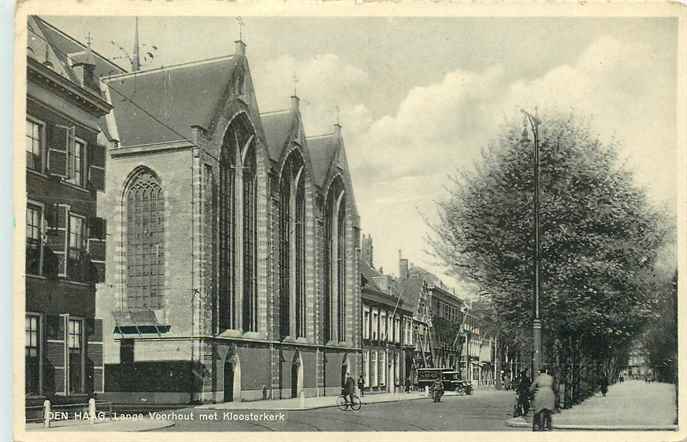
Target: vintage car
x,y
450,378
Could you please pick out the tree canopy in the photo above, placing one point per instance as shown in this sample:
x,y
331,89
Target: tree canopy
x,y
599,234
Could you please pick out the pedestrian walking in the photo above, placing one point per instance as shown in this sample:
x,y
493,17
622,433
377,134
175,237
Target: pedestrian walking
x,y
408,384
361,385
523,395
603,384
437,390
544,401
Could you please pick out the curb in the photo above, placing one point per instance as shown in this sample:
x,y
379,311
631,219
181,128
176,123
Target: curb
x,y
87,428
521,423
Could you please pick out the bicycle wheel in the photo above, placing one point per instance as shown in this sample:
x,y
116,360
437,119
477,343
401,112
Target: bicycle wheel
x,y
341,403
357,403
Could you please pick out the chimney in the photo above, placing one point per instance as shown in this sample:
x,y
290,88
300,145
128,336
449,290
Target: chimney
x,y
368,250
85,73
402,267
85,69
239,48
295,103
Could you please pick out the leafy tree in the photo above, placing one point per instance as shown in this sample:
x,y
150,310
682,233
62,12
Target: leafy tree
x,y
660,340
599,237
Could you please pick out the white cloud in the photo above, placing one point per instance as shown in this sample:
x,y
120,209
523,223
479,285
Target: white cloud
x,y
400,162
323,83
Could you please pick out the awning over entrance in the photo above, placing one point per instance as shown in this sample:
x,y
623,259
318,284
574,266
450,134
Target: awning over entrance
x,y
137,323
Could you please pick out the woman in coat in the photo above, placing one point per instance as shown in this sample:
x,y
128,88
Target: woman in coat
x,y
544,401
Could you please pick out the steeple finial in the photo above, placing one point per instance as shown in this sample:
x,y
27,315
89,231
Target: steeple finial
x,y
89,51
239,20
136,60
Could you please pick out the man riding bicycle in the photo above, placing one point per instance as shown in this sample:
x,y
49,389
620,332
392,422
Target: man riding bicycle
x,y
348,388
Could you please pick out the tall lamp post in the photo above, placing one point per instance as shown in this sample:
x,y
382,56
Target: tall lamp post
x,y
536,324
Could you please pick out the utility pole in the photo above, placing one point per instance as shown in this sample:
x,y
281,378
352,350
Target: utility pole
x,y
536,324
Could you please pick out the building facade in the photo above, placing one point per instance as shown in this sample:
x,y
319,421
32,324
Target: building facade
x,y
233,267
447,317
415,295
65,231
387,334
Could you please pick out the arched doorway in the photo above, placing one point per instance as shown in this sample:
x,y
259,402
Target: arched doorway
x,y
228,381
296,375
232,378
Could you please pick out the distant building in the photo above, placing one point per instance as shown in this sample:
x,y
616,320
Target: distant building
x,y
414,293
446,315
637,366
474,341
65,231
387,334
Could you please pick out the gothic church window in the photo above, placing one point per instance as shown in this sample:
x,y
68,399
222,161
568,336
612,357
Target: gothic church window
x,y
145,242
237,198
335,263
292,248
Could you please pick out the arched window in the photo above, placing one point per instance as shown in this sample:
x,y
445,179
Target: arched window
x,y
227,227
237,228
145,247
334,320
292,308
250,301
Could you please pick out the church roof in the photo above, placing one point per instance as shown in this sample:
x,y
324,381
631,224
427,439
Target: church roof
x,y
322,151
277,126
160,105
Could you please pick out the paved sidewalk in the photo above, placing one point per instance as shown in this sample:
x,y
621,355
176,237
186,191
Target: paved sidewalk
x,y
121,425
632,405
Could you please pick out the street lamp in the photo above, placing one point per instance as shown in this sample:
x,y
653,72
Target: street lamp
x,y
536,324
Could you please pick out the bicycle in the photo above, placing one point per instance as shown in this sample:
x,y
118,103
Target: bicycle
x,y
344,405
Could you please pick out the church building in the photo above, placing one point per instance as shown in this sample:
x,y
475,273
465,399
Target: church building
x,y
233,242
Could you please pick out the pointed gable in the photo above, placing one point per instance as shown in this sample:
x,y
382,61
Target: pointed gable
x,y
277,127
161,105
322,151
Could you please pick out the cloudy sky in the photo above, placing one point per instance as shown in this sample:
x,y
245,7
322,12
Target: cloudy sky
x,y
419,97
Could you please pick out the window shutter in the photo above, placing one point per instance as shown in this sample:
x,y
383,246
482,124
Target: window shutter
x,y
58,219
96,166
96,247
59,139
